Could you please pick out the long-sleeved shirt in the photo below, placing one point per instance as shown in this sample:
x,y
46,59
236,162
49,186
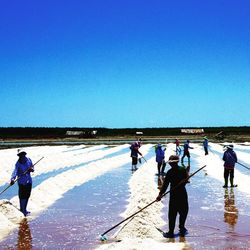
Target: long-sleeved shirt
x,y
20,168
205,143
173,177
230,158
186,147
160,154
135,150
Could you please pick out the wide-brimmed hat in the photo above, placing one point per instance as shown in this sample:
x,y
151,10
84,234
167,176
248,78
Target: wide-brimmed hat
x,y
21,151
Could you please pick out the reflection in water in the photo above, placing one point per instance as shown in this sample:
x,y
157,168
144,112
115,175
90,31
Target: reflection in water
x,y
183,240
230,209
187,167
24,236
160,181
180,239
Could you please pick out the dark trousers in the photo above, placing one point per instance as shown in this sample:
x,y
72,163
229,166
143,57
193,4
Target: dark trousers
x,y
24,191
134,160
176,206
161,167
229,173
206,150
186,153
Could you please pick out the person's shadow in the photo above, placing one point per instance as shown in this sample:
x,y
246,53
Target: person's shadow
x,y
230,209
24,236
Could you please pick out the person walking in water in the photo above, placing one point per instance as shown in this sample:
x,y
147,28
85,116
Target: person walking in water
x,y
22,170
178,200
229,158
186,148
205,145
160,156
134,154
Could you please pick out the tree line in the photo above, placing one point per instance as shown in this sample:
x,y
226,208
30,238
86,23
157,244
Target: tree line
x,y
60,132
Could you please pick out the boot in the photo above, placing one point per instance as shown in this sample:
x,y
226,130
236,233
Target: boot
x,y
26,203
168,234
183,231
226,182
232,182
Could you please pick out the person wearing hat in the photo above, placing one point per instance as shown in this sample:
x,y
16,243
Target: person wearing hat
x,y
205,145
177,147
160,156
134,154
186,148
229,158
178,200
22,170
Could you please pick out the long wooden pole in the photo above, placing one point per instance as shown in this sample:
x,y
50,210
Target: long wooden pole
x,y
132,215
25,172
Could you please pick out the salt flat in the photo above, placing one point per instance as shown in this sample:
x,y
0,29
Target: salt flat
x,y
79,192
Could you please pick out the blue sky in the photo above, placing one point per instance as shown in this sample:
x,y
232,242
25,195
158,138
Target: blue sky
x,y
121,64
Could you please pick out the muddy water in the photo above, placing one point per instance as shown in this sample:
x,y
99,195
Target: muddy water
x,y
77,220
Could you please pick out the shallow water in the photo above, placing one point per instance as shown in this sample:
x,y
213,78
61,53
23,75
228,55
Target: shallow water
x,y
77,220
218,218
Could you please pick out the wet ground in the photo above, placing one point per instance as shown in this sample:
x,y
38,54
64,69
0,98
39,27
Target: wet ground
x,y
77,220
218,218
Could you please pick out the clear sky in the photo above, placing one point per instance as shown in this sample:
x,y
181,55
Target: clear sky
x,y
124,63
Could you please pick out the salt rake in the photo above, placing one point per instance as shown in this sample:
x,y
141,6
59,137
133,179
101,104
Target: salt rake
x,y
142,158
25,172
103,237
243,165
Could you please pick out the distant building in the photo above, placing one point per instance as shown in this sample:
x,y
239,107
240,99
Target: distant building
x,y
139,133
93,132
192,130
84,134
74,133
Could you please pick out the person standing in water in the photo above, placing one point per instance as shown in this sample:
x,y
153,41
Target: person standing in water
x,y
160,156
205,145
23,168
178,201
134,154
229,158
186,151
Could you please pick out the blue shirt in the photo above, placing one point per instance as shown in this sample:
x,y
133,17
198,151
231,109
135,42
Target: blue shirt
x,y
160,154
229,158
186,147
20,169
205,143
